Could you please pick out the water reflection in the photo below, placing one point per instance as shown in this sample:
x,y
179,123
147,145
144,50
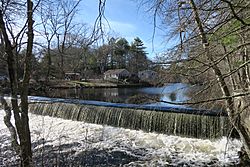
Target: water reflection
x,y
176,92
172,92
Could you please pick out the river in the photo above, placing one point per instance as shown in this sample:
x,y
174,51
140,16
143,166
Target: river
x,y
174,92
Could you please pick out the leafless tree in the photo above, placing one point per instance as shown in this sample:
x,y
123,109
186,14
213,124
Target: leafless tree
x,y
57,26
17,33
213,44
20,131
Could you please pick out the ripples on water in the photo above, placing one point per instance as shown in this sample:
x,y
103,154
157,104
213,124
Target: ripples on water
x,y
109,146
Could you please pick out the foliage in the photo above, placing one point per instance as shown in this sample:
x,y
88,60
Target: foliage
x,y
93,61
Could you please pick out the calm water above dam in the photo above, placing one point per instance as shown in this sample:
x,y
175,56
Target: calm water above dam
x,y
175,92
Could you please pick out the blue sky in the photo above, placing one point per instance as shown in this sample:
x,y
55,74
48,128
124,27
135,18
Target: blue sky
x,y
127,20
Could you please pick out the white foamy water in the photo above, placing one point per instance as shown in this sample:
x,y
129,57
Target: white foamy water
x,y
151,149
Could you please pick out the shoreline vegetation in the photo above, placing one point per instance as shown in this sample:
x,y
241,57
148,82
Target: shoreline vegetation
x,y
95,83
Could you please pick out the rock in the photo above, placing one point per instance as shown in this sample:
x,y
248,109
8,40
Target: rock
x,y
142,99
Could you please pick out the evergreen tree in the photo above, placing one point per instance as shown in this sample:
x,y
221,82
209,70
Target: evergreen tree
x,y
121,52
138,56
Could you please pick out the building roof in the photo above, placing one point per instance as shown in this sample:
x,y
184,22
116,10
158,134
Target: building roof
x,y
115,71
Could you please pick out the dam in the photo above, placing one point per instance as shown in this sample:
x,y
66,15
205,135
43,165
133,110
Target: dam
x,y
186,122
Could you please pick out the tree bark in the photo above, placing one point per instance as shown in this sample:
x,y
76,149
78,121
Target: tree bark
x,y
26,142
20,116
49,63
10,126
234,113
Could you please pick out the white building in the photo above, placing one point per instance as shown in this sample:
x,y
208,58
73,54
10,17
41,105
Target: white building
x,y
118,74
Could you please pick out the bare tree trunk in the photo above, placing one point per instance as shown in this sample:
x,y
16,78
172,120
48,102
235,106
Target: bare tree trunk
x,y
20,116
235,116
61,50
230,69
26,142
245,70
10,126
49,63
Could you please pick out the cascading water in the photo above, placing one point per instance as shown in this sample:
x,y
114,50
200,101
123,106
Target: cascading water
x,y
60,142
182,124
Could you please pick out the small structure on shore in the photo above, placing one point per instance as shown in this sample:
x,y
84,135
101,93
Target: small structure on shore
x,y
118,74
147,75
72,76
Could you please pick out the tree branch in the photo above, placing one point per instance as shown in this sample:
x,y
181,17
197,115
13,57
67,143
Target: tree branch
x,y
209,100
234,13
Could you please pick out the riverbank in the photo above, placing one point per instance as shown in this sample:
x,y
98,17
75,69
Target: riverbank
x,y
56,141
97,83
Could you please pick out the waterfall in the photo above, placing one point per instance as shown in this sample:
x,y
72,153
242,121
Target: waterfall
x,y
167,122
